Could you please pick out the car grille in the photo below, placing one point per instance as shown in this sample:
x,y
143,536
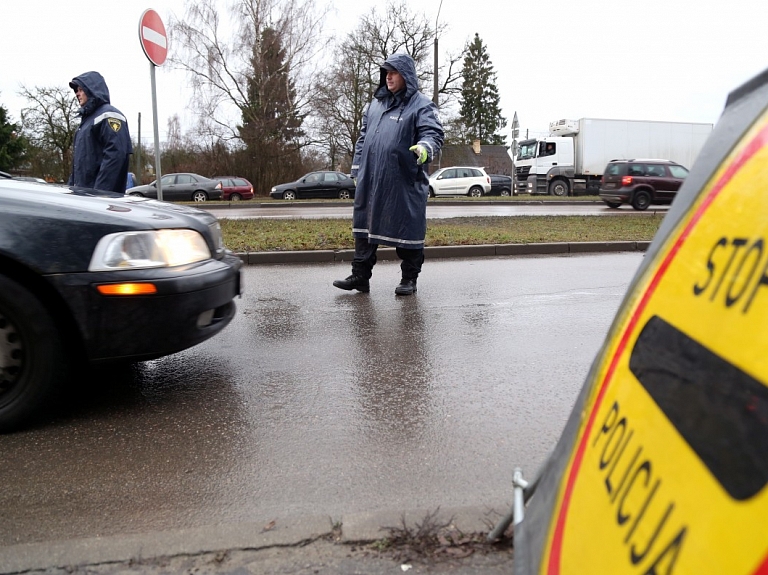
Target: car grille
x,y
521,172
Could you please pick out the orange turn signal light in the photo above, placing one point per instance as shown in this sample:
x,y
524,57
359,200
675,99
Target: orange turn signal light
x,y
127,289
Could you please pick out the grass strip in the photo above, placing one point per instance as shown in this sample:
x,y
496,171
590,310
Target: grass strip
x,y
264,235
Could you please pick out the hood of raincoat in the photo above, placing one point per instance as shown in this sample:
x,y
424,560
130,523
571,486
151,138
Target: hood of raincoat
x,y
95,87
406,67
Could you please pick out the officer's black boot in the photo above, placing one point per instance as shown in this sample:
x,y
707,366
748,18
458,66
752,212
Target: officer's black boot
x,y
353,282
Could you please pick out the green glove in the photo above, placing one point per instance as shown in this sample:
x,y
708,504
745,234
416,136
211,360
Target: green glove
x,y
421,153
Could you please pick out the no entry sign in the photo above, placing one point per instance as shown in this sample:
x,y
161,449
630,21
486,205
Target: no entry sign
x,y
153,38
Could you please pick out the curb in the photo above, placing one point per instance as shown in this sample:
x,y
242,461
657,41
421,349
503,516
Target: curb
x,y
355,528
490,250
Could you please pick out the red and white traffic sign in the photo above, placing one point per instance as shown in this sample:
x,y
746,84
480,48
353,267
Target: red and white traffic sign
x,y
154,40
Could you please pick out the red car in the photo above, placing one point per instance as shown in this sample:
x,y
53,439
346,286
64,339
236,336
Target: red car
x,y
235,189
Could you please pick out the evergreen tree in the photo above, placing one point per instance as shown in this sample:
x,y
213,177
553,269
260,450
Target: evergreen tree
x,y
12,144
479,99
272,127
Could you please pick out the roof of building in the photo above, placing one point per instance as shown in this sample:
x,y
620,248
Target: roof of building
x,y
495,159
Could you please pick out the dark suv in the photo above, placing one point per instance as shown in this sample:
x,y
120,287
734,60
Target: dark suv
x,y
641,182
500,185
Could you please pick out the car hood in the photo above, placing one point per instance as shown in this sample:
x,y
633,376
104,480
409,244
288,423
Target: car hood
x,y
39,215
142,188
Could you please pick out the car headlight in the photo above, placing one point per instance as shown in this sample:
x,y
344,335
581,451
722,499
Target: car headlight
x,y
148,249
274,189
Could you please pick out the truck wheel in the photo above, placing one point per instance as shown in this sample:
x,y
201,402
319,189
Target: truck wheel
x,y
641,200
558,188
32,360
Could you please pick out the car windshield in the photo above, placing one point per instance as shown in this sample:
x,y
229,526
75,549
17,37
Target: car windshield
x,y
526,151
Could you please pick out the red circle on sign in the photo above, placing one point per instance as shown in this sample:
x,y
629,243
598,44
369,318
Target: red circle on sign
x,y
153,38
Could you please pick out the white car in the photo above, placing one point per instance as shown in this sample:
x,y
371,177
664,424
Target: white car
x,y
459,181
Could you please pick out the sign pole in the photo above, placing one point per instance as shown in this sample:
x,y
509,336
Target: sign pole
x,y
154,42
158,170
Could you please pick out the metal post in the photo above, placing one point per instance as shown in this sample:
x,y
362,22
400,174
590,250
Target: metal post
x,y
434,93
158,171
138,169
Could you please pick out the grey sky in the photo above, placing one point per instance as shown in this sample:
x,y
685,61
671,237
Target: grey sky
x,y
652,60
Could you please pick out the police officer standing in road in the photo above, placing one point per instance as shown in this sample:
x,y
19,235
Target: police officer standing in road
x,y
102,143
401,132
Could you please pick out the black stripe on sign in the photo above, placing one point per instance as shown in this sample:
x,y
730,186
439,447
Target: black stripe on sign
x,y
718,409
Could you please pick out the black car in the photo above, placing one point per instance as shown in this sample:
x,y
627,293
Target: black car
x,y
183,187
90,276
501,185
641,182
316,185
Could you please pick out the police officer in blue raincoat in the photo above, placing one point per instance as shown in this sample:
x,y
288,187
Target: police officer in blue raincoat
x,y
401,133
102,143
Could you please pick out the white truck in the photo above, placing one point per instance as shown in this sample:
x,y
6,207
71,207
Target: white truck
x,y
572,158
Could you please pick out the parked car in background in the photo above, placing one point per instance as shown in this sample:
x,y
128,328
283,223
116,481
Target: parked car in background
x,y
101,277
184,187
501,185
641,182
322,184
459,181
234,189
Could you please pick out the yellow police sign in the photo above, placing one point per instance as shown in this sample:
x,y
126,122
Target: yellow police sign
x,y
668,466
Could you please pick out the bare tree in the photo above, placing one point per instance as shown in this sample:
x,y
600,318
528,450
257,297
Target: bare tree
x,y
49,122
350,82
236,77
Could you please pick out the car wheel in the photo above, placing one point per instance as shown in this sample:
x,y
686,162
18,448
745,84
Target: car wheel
x,y
289,195
558,188
136,194
344,194
613,204
235,198
641,200
505,192
431,192
200,196
32,359
475,192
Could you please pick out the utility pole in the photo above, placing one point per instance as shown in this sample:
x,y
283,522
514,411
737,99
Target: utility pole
x,y
434,94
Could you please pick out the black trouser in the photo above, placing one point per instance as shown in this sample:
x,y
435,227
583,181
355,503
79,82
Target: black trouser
x,y
365,259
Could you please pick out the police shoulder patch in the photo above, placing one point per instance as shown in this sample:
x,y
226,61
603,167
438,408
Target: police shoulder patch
x,y
115,124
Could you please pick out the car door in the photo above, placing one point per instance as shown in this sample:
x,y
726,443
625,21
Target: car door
x,y
185,185
657,176
445,183
168,184
331,185
310,186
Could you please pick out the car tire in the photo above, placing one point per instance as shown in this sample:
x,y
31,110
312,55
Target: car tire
x,y
475,192
344,195
289,195
235,197
431,192
641,200
613,205
505,192
33,363
199,196
136,194
558,188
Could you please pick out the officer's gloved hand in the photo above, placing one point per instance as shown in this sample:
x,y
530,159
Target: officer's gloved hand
x,y
421,153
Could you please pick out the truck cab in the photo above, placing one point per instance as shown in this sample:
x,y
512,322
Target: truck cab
x,y
544,166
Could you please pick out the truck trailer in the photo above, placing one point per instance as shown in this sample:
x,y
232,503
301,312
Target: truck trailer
x,y
572,158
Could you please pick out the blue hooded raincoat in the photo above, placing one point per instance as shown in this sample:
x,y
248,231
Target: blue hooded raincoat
x,y
102,143
392,189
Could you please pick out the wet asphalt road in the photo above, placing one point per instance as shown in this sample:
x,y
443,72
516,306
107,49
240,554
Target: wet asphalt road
x,y
316,401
